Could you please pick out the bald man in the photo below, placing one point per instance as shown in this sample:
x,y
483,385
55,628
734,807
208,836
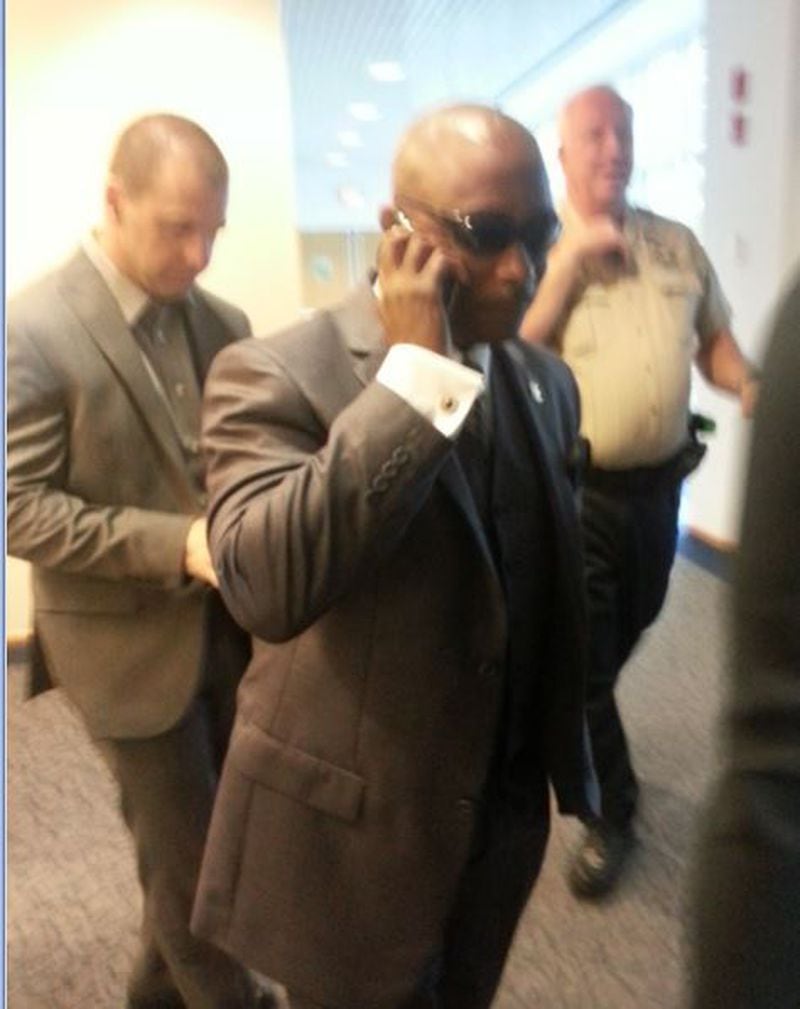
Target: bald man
x,y
106,495
397,530
630,300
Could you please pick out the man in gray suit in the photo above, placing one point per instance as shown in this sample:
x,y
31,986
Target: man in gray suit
x,y
106,361
404,549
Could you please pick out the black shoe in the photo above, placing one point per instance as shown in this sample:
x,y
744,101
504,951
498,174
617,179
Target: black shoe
x,y
600,859
267,998
167,1001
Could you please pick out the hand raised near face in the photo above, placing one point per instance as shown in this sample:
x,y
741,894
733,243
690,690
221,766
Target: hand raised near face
x,y
598,244
414,276
596,237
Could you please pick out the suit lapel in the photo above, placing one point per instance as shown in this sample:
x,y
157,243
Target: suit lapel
x,y
207,334
95,307
452,479
359,323
348,349
528,390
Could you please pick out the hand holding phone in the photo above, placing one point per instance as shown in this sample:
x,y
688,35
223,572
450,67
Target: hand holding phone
x,y
449,283
417,285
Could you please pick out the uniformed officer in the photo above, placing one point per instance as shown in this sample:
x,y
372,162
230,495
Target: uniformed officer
x,y
630,301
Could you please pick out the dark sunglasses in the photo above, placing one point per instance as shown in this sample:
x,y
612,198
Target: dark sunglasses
x,y
488,232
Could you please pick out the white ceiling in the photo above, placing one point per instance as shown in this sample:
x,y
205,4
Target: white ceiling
x,y
449,50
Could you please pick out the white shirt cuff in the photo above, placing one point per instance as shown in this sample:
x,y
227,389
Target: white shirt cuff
x,y
439,388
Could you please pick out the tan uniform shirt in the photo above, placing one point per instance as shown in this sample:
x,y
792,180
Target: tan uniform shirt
x,y
630,338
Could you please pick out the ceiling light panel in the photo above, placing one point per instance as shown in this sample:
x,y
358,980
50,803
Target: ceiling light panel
x,y
364,112
350,138
387,72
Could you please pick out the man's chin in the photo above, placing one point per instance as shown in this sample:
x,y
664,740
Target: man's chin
x,y
171,292
495,323
613,193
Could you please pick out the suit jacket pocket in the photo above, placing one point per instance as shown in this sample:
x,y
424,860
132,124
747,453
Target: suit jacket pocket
x,y
294,773
57,592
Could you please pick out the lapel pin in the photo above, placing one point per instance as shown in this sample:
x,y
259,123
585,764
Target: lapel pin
x,y
536,392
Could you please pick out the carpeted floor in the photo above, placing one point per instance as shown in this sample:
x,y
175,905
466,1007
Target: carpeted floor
x,y
72,897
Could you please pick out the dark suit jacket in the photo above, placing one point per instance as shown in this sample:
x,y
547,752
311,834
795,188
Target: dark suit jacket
x,y
747,881
100,500
347,543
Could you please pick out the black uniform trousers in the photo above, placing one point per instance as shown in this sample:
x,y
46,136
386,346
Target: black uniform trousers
x,y
630,523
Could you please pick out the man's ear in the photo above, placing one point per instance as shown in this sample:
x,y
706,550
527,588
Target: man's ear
x,y
113,197
387,217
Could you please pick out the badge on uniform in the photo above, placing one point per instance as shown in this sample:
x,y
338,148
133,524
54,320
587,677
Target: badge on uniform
x,y
662,255
536,391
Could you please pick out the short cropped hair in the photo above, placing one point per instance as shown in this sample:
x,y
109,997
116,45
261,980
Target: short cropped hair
x,y
143,145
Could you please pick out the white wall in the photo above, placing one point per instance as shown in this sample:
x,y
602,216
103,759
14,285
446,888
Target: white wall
x,y
77,72
18,618
752,228
625,36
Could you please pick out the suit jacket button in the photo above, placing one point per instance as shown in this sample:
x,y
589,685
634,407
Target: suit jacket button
x,y
466,808
488,670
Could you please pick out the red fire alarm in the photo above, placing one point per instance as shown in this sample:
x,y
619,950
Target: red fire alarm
x,y
740,84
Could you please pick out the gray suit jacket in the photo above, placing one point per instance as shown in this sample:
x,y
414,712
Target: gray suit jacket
x,y
747,880
100,500
348,544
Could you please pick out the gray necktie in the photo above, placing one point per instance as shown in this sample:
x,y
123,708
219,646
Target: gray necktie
x,y
163,334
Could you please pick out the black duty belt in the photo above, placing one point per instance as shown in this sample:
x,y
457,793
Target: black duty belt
x,y
644,479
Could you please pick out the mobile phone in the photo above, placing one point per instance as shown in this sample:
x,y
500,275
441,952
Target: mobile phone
x,y
450,285
401,218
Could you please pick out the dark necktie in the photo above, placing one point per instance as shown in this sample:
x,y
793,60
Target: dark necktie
x,y
474,449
